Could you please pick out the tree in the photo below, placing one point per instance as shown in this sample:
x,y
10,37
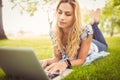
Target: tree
x,y
111,13
2,33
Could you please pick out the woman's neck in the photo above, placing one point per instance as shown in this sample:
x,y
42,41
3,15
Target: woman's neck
x,y
66,31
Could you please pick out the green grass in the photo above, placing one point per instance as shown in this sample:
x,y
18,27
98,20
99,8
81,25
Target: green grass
x,y
42,46
106,68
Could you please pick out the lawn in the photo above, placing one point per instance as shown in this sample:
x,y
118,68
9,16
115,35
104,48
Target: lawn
x,y
106,68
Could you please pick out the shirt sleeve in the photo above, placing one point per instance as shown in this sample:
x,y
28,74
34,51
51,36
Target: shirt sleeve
x,y
86,32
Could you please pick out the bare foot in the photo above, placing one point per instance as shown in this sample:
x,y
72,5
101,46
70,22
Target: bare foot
x,y
91,15
97,15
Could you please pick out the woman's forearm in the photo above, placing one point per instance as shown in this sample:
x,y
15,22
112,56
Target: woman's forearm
x,y
77,62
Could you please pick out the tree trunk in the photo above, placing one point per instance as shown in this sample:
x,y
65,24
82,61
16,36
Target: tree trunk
x,y
2,33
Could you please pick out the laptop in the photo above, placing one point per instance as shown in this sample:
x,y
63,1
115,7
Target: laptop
x,y
21,62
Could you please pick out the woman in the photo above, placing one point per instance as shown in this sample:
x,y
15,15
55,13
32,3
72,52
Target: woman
x,y
71,40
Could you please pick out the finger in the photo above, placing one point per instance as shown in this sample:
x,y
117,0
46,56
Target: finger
x,y
40,61
44,65
61,71
49,67
47,72
54,71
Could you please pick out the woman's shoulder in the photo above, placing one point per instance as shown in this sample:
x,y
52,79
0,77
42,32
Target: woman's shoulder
x,y
86,31
88,28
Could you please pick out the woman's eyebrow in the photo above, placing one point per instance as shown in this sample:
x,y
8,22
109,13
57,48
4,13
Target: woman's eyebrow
x,y
59,10
67,11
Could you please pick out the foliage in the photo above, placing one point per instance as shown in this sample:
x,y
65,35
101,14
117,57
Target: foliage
x,y
111,14
29,6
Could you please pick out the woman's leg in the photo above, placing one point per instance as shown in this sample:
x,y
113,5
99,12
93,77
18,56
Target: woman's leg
x,y
98,37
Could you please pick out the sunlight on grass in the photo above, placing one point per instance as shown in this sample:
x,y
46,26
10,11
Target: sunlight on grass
x,y
42,46
2,73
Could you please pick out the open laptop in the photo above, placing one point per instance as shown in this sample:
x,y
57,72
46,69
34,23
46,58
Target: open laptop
x,y
21,62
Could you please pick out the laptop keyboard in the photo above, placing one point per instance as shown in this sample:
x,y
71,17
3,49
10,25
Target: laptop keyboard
x,y
51,76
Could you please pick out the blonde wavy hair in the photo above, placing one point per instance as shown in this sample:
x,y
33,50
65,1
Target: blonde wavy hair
x,y
73,35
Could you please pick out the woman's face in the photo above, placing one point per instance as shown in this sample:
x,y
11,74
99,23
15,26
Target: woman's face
x,y
65,15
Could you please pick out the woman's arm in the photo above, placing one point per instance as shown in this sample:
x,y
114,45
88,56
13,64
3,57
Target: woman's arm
x,y
47,62
55,58
61,66
83,52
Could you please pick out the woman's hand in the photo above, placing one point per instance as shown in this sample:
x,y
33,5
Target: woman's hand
x,y
56,67
44,63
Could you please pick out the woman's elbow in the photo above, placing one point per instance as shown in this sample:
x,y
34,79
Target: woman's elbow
x,y
81,61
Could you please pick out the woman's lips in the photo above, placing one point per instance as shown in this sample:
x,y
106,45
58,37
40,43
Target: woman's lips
x,y
61,23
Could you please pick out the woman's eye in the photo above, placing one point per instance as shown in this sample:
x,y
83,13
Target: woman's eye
x,y
68,14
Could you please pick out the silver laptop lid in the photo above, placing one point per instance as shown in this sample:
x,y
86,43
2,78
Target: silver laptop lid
x,y
22,63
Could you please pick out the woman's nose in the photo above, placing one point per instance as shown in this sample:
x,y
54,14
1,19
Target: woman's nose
x,y
62,16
